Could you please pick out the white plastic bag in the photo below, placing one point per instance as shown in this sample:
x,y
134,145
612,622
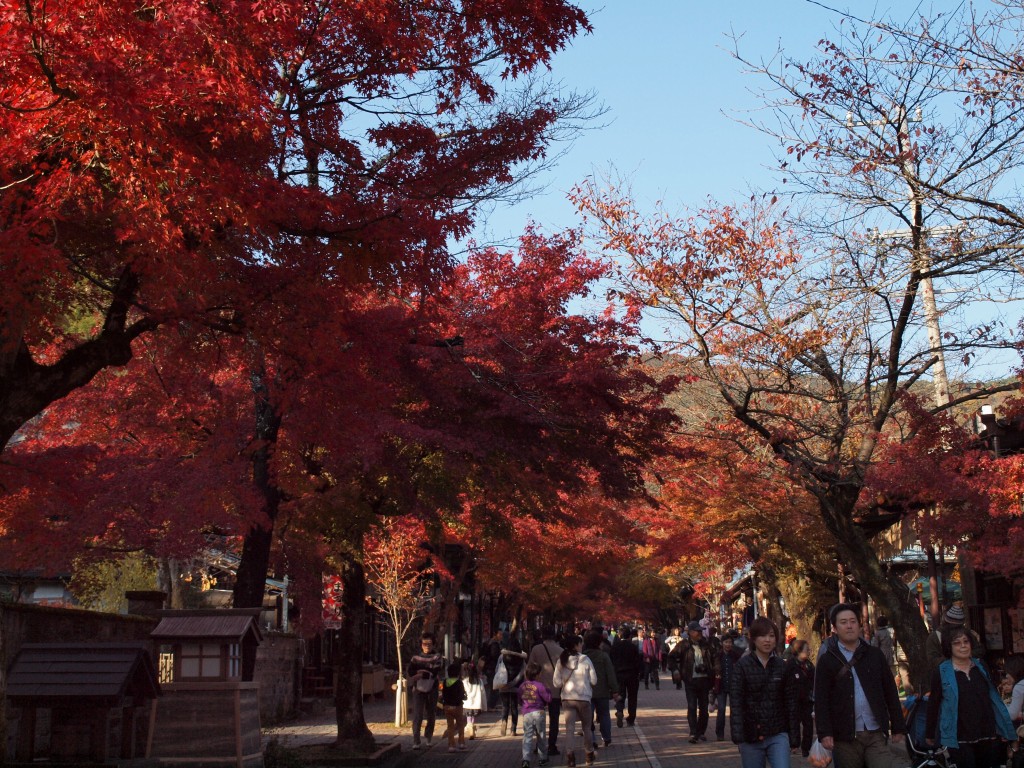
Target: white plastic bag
x,y
500,675
819,757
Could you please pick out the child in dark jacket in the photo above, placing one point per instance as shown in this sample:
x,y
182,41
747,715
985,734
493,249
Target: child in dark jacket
x,y
453,694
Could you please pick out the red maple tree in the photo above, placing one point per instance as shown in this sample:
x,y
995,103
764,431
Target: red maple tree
x,y
188,162
405,403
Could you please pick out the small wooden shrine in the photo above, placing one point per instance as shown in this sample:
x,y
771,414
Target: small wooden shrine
x,y
209,713
97,696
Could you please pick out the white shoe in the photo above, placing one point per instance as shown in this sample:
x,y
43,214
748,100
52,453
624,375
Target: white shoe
x,y
417,745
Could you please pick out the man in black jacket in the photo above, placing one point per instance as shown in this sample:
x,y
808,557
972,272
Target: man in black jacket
x,y
726,664
628,662
856,703
698,667
425,671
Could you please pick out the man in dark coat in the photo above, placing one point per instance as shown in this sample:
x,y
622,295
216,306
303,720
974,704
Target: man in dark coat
x,y
698,667
628,662
856,703
545,655
726,663
425,671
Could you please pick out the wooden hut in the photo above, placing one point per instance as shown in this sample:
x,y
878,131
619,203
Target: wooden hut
x,y
96,696
209,713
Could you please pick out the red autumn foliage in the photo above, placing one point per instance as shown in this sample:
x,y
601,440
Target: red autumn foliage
x,y
534,405
195,161
958,492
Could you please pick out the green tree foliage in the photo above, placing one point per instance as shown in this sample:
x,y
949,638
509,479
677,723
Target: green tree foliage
x,y
100,585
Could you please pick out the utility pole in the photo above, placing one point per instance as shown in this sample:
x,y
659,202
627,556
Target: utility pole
x,y
923,262
919,247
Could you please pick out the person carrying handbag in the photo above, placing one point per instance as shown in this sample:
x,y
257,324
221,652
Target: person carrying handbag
x,y
545,654
576,674
425,670
512,662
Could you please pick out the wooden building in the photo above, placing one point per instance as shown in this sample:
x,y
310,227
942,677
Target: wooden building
x,y
209,714
97,696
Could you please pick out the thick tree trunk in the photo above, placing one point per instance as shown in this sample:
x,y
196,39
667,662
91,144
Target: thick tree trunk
x,y
768,581
804,598
444,608
348,659
887,589
251,578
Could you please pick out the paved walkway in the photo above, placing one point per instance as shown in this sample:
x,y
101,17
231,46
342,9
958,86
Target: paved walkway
x,y
658,740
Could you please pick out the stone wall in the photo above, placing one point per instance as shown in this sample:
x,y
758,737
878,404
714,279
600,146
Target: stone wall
x,y
278,661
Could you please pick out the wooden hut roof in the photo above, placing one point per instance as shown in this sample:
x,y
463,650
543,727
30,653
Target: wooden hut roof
x,y
99,671
207,624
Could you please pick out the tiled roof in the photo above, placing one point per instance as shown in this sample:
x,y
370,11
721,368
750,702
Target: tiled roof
x,y
74,670
207,624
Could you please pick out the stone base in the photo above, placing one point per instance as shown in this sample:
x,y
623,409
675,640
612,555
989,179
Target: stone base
x,y
321,755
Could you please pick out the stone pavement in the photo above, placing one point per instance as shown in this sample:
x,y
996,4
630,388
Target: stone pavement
x,y
658,740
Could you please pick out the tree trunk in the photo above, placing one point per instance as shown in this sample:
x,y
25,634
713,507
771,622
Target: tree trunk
x,y
400,707
348,658
169,581
887,589
803,596
769,583
251,578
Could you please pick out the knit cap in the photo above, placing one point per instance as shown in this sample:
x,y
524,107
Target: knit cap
x,y
954,615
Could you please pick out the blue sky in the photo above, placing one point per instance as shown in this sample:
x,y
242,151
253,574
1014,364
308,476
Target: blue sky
x,y
662,69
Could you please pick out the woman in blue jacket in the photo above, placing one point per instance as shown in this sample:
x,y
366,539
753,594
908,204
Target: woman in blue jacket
x,y
965,710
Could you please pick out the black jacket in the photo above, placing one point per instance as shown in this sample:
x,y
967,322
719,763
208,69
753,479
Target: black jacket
x,y
833,692
802,674
453,695
688,658
762,701
626,659
727,662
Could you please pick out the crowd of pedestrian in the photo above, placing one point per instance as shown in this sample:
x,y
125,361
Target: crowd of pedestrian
x,y
565,683
845,707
